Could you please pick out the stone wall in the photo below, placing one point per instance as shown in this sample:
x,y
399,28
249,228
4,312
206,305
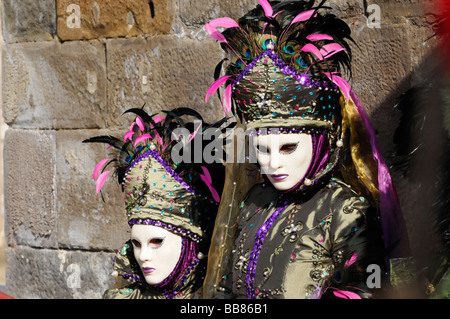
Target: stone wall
x,y
69,70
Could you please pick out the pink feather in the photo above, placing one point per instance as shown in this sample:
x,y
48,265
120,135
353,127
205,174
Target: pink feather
x,y
224,23
99,167
227,100
331,49
213,32
140,123
313,49
351,261
343,85
215,86
319,36
303,16
128,135
158,119
192,136
268,11
101,180
346,294
208,180
141,138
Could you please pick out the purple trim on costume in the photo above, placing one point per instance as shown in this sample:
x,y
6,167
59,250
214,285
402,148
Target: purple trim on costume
x,y
286,130
303,78
321,154
187,262
392,222
166,166
170,227
259,239
133,276
319,161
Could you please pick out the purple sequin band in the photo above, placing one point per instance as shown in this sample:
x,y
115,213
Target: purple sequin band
x,y
285,130
302,78
166,166
132,276
259,239
173,228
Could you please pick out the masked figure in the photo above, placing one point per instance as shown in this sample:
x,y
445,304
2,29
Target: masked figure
x,y
171,205
326,215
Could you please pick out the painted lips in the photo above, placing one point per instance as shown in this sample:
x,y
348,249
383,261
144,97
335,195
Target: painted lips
x,y
148,270
279,177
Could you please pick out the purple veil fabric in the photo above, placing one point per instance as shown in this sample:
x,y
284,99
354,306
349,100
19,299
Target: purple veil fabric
x,y
321,155
392,222
189,252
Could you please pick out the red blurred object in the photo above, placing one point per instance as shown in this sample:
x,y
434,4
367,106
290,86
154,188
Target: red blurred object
x,y
5,296
441,26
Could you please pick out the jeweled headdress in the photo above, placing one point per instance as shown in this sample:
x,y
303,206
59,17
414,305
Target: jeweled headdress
x,y
286,72
180,197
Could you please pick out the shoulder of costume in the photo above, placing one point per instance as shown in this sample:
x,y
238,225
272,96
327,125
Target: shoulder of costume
x,y
260,191
345,198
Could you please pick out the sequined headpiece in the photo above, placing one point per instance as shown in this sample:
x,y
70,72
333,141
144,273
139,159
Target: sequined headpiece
x,y
285,72
179,197
284,66
271,94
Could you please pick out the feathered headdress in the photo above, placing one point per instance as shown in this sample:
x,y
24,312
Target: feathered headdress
x,y
285,72
178,196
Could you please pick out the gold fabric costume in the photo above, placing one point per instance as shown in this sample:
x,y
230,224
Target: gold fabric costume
x,y
317,230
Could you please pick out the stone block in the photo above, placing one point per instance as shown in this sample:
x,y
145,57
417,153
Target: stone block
x,y
89,19
197,13
57,274
28,20
31,217
163,73
395,9
50,196
85,220
381,72
52,85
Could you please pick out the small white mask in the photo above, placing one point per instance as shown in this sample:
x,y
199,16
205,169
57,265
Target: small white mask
x,y
156,250
284,158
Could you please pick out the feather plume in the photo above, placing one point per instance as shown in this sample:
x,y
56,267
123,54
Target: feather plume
x,y
140,123
142,138
268,11
99,167
158,131
346,294
227,100
215,86
319,37
214,33
303,16
101,180
224,23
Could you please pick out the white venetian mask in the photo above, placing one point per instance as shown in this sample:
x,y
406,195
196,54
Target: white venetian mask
x,y
284,158
156,250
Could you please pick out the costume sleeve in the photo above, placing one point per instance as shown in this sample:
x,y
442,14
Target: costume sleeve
x,y
357,251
